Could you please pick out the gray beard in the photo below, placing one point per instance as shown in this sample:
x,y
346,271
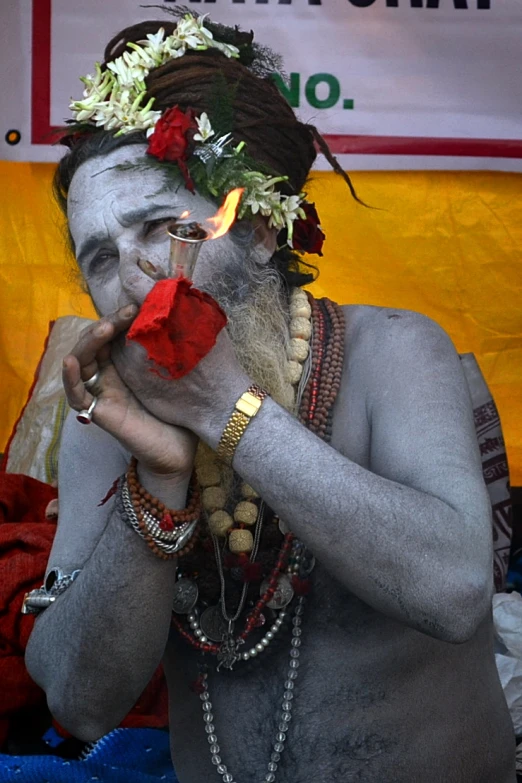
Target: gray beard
x,y
251,293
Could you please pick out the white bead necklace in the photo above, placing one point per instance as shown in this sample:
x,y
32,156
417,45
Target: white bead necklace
x,y
285,716
211,473
298,351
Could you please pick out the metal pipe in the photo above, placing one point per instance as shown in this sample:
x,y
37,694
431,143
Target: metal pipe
x,y
185,243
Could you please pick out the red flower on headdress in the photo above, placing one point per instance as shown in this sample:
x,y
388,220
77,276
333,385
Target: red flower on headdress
x,y
171,139
308,236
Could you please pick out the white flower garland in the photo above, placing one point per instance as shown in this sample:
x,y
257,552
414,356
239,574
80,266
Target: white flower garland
x,y
112,99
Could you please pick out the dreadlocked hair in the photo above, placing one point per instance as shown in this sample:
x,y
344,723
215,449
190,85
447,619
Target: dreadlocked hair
x,y
257,114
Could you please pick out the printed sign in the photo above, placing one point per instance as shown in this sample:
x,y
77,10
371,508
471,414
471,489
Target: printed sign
x,y
392,84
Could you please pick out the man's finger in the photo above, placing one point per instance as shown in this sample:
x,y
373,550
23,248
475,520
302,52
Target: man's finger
x,y
77,395
95,336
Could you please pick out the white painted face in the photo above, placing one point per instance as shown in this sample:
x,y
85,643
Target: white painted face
x,y
117,217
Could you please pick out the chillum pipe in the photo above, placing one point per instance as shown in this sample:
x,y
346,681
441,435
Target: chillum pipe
x,y
185,243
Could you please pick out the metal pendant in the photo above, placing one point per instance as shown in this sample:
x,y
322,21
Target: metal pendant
x,y
213,624
283,594
283,527
185,596
228,653
307,565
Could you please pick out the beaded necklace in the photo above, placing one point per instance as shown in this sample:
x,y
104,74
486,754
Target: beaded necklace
x,y
210,474
216,624
294,563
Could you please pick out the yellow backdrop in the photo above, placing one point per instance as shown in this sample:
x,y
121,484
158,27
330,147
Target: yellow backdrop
x,y
445,244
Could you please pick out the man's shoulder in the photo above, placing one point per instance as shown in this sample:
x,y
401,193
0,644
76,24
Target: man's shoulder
x,y
375,328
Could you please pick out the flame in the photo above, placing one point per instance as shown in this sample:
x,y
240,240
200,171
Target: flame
x,y
220,223
184,215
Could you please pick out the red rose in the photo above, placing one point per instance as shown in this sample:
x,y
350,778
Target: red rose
x,y
307,235
171,139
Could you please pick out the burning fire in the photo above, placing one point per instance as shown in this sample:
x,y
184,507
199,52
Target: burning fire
x,y
219,224
187,238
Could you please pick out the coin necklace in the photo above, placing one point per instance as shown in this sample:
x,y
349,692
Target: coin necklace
x,y
321,393
275,590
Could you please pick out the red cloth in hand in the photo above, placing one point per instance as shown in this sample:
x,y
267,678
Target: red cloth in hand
x,y
177,325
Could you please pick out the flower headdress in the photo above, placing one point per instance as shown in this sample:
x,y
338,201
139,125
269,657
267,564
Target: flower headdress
x,y
114,99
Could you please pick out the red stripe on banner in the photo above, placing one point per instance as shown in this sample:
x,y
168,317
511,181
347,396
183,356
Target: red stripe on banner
x,y
42,132
41,73
421,145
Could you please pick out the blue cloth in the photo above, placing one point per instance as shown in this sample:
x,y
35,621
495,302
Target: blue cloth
x,y
123,756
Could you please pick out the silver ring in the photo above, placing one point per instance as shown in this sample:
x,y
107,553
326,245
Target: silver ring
x,y
85,415
93,380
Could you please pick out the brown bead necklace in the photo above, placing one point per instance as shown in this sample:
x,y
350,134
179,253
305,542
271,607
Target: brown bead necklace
x,y
316,413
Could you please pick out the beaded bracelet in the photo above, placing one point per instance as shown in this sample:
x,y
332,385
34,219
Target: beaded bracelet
x,y
168,533
166,519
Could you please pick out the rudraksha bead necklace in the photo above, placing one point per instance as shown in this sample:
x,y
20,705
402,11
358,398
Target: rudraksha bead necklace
x,y
315,413
321,391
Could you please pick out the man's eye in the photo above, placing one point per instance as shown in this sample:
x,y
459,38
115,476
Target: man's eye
x,y
101,260
160,223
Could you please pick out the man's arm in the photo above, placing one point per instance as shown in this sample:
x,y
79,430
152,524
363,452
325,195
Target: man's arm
x,y
94,650
411,536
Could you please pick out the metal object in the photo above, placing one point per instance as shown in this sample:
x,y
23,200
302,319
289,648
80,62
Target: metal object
x,y
213,624
92,381
283,527
185,243
283,715
307,565
55,583
128,515
85,415
229,653
185,596
211,152
283,594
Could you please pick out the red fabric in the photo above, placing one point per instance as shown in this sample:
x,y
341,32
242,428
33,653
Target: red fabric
x,y
177,325
26,537
25,541
171,139
307,235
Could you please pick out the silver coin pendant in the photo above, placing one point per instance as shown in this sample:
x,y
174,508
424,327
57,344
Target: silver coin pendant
x,y
213,624
185,596
283,594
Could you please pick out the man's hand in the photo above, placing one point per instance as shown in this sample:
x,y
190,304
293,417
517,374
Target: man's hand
x,y
159,447
205,395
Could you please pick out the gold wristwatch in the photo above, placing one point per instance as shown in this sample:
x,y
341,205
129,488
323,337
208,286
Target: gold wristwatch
x,y
244,411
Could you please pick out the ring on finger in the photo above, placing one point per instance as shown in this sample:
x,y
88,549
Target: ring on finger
x,y
85,415
92,381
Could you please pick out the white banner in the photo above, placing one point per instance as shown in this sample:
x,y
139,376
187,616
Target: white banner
x,y
392,84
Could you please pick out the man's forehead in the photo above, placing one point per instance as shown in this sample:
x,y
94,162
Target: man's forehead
x,y
125,170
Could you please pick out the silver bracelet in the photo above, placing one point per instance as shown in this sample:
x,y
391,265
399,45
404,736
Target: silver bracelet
x,y
169,542
55,584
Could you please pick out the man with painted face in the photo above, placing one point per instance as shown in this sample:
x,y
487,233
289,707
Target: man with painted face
x,y
331,589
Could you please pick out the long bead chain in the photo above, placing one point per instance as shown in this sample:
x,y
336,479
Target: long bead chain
x,y
197,638
316,414
285,716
